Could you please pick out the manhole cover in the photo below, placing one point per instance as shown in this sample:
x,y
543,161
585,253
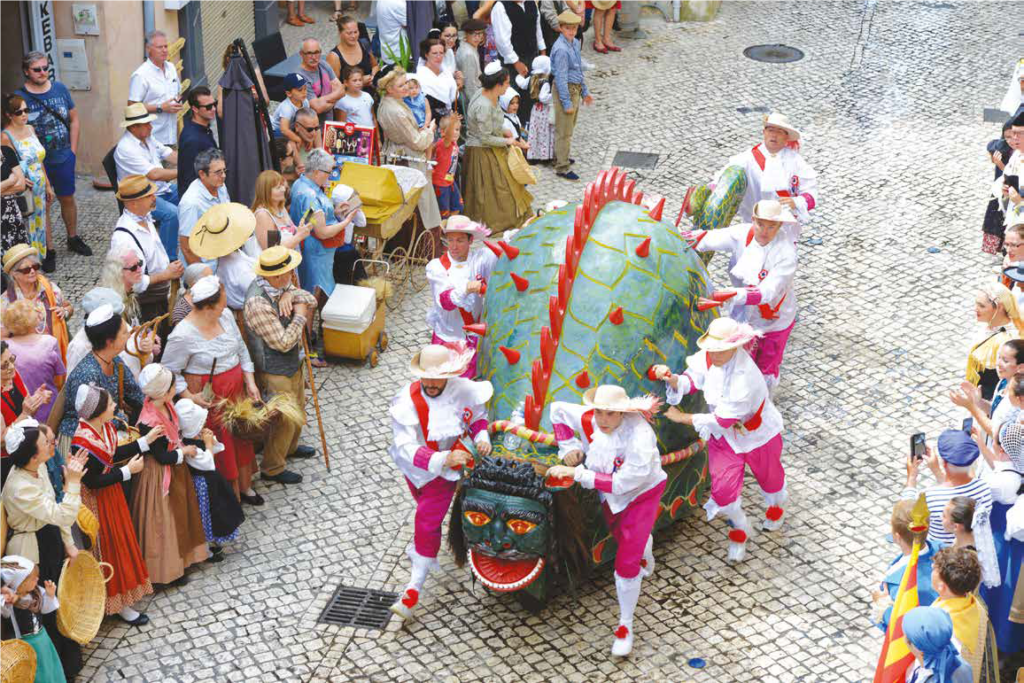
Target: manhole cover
x,y
358,607
773,54
635,159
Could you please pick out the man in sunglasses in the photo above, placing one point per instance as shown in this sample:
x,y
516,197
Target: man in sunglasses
x,y
196,133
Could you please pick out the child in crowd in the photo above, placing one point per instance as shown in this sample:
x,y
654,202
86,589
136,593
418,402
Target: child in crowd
x,y
23,601
295,99
417,102
956,574
356,107
510,105
541,127
446,156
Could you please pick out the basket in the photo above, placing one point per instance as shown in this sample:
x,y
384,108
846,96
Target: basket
x,y
82,593
17,661
519,167
89,525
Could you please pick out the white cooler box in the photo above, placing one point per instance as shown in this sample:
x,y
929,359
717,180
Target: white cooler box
x,y
351,325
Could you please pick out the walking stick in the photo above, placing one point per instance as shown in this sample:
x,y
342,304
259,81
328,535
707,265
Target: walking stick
x,y
316,402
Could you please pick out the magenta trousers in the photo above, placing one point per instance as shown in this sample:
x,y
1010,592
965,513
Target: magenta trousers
x,y
726,467
630,529
767,351
432,502
472,340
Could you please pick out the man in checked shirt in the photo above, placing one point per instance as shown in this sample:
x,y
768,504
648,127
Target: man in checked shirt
x,y
276,312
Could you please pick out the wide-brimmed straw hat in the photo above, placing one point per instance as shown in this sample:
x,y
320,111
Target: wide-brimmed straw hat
x,y
441,362
134,187
136,113
773,210
613,397
782,121
15,255
277,260
570,18
222,230
463,224
725,334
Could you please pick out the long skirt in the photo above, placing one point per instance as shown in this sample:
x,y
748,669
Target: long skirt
x,y
993,229
1010,555
542,134
169,527
118,545
51,561
492,195
237,452
221,512
48,665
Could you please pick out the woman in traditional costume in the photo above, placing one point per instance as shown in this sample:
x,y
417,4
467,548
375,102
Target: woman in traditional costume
x,y
164,506
493,196
995,308
612,432
108,465
40,526
207,348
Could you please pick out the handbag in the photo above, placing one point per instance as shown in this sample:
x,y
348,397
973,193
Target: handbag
x,y
26,198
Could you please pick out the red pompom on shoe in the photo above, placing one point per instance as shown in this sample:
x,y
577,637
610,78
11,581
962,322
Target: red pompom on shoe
x,y
738,536
622,631
643,563
774,513
411,597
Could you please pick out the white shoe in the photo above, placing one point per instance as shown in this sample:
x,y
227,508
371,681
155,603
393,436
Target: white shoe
x,y
404,605
773,519
589,66
647,562
737,545
623,643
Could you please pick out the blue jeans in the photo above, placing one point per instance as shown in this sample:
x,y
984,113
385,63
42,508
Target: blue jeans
x,y
165,213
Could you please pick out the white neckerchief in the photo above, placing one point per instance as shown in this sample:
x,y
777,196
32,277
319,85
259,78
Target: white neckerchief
x,y
753,260
604,449
445,414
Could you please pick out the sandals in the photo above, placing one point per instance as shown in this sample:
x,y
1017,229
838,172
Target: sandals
x,y
316,361
602,50
613,48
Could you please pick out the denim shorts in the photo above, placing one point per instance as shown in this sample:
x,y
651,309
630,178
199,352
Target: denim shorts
x,y
62,175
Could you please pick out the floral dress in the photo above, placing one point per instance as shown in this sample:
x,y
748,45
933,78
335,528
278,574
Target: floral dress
x,y
32,152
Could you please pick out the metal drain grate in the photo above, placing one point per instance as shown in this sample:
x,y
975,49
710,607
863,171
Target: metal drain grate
x,y
635,159
773,54
358,607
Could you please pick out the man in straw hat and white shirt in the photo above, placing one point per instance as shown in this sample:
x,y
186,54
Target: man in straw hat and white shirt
x,y
458,281
138,153
742,427
435,420
776,170
275,316
608,444
762,267
135,230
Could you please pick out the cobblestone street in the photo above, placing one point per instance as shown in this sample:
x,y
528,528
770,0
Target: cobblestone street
x,y
889,98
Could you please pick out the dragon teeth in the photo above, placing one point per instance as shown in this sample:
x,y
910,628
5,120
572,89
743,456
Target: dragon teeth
x,y
506,587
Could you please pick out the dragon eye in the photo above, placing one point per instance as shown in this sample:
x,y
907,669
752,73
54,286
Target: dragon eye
x,y
520,526
476,518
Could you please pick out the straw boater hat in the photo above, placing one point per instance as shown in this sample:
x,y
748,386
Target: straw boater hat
x,y
569,18
773,210
222,230
136,113
441,362
725,334
463,224
613,397
16,254
782,121
277,260
134,187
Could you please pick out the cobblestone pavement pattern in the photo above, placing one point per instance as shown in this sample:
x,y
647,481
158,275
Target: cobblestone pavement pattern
x,y
889,98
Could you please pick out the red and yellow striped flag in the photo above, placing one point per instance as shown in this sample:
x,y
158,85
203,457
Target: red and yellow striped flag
x,y
896,655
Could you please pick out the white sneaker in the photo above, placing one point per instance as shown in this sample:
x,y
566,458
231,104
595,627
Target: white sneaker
x,y
773,518
737,545
589,66
623,643
404,605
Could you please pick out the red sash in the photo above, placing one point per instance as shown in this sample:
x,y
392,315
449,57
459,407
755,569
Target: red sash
x,y
755,420
467,317
759,158
588,425
422,412
766,310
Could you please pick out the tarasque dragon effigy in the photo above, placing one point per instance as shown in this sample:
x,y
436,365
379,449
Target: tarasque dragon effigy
x,y
592,293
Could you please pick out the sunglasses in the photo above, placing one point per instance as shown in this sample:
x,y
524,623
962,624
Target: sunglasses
x,y
9,363
211,105
19,112
305,128
138,264
37,69
28,269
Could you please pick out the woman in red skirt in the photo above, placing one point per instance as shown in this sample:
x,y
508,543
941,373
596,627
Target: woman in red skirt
x,y
207,348
109,465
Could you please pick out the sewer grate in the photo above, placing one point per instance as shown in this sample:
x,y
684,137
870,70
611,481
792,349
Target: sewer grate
x,y
358,607
773,54
625,159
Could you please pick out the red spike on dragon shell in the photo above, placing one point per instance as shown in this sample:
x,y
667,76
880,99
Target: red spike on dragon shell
x,y
511,355
644,250
522,284
656,212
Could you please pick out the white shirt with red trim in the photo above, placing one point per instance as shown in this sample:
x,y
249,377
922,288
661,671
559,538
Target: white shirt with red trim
x,y
784,174
764,274
622,465
455,414
448,281
741,410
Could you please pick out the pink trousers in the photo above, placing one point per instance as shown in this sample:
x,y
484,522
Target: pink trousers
x,y
726,467
630,529
432,502
767,351
472,340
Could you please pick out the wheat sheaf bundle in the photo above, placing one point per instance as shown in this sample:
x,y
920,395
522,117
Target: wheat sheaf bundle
x,y
246,415
380,285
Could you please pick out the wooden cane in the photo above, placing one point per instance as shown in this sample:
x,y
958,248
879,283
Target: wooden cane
x,y
316,402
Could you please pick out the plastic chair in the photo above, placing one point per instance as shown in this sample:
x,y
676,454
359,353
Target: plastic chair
x,y
110,167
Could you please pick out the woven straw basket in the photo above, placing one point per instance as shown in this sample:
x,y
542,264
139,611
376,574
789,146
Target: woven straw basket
x,y
89,525
519,167
82,593
17,662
